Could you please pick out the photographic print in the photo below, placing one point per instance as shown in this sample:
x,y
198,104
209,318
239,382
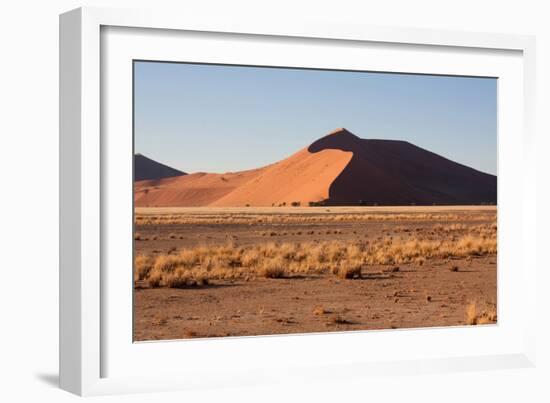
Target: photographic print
x,y
274,200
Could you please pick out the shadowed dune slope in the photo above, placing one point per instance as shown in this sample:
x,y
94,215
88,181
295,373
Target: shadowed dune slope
x,y
338,169
391,172
146,168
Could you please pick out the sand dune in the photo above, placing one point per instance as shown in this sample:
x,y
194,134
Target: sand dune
x,y
338,169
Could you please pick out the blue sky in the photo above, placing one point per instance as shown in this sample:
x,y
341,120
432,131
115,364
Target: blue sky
x,y
213,118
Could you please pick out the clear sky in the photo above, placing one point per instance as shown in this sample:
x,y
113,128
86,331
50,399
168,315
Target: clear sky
x,y
214,118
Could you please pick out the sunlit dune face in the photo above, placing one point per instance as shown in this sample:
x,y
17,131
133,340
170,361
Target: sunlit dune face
x,y
302,178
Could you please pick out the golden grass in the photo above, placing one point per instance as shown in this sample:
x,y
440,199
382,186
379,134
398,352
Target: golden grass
x,y
274,268
348,269
182,278
320,310
476,315
346,260
142,266
154,279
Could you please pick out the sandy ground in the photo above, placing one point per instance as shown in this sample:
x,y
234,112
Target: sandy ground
x,y
409,296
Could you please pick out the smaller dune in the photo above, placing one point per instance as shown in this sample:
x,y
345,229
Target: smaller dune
x,y
146,168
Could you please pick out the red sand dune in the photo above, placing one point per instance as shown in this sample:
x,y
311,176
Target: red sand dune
x,y
338,169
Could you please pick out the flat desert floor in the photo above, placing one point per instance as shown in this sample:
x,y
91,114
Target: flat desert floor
x,y
214,272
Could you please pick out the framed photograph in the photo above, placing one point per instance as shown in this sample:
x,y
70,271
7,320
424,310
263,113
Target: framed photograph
x,y
238,196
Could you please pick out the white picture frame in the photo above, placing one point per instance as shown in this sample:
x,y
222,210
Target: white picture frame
x,y
94,328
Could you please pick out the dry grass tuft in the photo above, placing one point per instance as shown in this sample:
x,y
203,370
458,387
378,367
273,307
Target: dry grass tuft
x,y
471,314
182,278
142,266
348,269
320,310
481,316
274,268
154,279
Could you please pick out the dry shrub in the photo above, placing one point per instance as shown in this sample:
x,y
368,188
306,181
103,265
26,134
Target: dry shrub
x,y
165,263
274,268
348,269
250,257
471,314
182,278
320,310
142,266
154,279
481,316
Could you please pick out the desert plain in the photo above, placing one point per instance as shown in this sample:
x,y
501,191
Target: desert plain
x,y
239,271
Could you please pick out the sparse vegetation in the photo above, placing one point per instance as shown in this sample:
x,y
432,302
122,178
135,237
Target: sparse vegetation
x,y
295,268
279,259
307,215
273,268
142,266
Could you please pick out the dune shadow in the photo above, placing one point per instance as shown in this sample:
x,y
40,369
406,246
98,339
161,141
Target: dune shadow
x,y
396,172
340,139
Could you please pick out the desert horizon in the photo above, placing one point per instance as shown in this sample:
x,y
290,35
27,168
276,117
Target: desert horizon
x,y
251,224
